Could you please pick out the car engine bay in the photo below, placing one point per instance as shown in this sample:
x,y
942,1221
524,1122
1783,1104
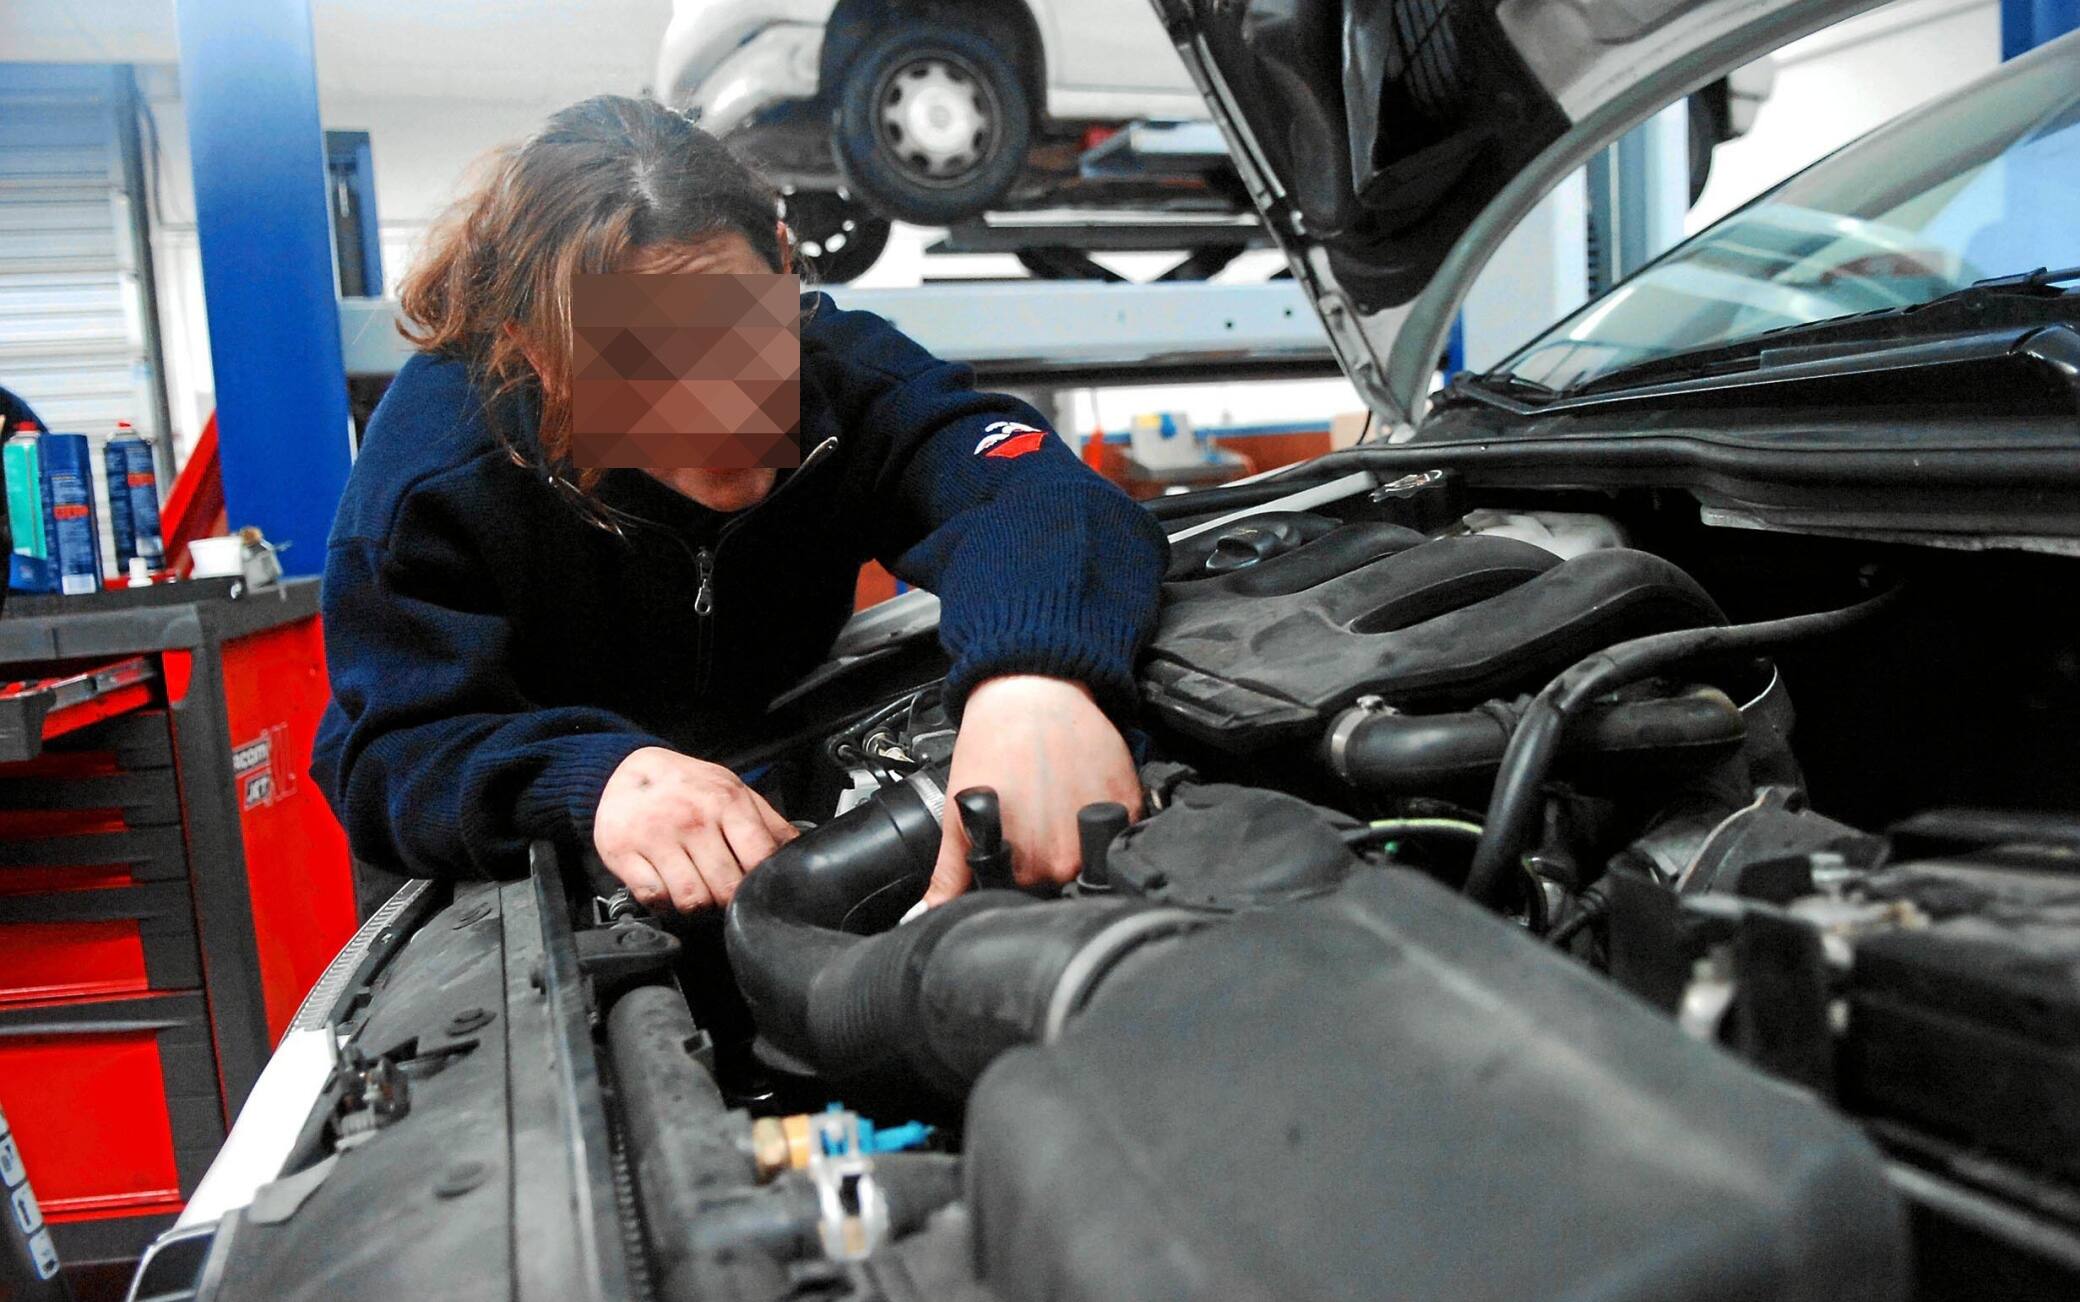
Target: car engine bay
x,y
1497,928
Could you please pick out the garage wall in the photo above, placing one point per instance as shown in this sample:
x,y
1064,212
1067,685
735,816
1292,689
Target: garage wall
x,y
177,260
1837,84
434,83
422,148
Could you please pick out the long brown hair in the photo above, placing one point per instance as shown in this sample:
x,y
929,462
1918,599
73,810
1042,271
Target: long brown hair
x,y
602,179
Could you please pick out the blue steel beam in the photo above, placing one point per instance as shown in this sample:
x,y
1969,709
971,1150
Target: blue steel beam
x,y
249,83
2026,24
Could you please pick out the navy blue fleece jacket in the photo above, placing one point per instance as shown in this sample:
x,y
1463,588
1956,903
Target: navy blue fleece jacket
x,y
494,656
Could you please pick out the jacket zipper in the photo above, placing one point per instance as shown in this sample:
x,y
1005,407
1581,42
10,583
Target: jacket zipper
x,y
704,598
704,566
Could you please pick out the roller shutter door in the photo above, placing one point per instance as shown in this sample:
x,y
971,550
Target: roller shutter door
x,y
73,339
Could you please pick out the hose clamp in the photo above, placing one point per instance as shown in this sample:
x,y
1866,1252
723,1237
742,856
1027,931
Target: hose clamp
x,y
1101,953
930,792
1365,707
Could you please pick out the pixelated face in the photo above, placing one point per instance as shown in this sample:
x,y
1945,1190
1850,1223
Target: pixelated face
x,y
686,370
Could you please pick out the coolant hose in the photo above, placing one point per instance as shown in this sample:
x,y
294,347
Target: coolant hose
x,y
1514,806
1384,753
1228,497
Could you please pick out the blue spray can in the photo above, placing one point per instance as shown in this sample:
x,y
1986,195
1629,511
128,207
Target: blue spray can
x,y
72,525
133,499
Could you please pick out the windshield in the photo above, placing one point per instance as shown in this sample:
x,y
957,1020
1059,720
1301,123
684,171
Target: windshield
x,y
1983,183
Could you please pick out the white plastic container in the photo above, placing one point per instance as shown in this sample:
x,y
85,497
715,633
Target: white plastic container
x,y
217,558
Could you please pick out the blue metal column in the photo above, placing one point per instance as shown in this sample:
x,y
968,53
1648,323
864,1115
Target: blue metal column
x,y
249,82
1639,189
2026,24
351,166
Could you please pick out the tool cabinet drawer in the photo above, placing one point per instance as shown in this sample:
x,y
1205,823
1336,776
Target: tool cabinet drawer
x,y
113,1104
94,939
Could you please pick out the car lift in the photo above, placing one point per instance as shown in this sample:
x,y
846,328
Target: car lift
x,y
1147,158
1060,334
1059,247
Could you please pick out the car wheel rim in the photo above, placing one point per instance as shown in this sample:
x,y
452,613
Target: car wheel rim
x,y
830,239
937,118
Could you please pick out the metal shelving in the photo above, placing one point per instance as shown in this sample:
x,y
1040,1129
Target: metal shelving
x,y
1036,332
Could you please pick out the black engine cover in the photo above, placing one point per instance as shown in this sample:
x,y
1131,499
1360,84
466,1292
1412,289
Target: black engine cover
x,y
1389,1093
1221,848
1266,654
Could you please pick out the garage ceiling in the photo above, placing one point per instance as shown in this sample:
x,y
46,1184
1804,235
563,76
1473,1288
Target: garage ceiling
x,y
526,50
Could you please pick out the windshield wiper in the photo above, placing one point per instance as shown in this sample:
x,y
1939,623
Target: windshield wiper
x,y
1975,307
1500,390
2029,279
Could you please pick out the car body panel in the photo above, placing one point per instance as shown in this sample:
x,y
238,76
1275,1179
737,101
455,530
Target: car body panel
x,y
294,1078
775,66
704,33
736,58
496,1183
1101,53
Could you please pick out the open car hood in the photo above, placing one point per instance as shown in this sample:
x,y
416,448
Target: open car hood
x,y
1392,146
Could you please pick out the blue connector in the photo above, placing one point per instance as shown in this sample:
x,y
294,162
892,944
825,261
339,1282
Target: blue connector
x,y
893,1139
911,1134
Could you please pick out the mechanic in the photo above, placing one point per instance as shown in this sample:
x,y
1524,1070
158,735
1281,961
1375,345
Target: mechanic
x,y
16,413
523,646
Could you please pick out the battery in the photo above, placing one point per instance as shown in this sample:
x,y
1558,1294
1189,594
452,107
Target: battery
x,y
133,498
71,524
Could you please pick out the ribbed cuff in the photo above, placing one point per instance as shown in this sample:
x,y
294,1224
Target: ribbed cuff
x,y
1043,636
565,793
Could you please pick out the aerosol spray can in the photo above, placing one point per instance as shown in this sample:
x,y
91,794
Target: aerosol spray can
x,y
28,567
71,524
133,499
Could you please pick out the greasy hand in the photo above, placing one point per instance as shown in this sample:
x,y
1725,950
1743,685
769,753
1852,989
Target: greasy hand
x,y
682,831
1048,749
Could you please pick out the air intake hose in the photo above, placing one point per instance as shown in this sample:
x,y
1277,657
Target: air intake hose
x,y
925,1005
814,899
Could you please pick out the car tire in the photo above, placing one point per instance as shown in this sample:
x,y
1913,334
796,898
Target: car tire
x,y
933,122
836,237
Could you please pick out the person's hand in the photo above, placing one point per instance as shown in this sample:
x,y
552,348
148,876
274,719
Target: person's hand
x,y
1048,749
681,831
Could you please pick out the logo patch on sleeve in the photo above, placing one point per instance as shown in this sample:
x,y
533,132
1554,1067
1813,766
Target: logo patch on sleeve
x,y
1009,438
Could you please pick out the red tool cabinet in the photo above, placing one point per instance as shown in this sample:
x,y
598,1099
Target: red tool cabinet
x,y
170,884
